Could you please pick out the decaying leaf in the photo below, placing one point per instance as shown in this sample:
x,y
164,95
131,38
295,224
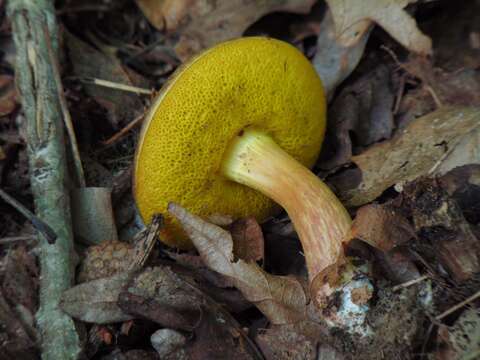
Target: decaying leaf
x,y
353,18
204,23
417,150
295,341
363,108
173,300
333,60
381,227
96,301
281,299
90,63
163,296
247,239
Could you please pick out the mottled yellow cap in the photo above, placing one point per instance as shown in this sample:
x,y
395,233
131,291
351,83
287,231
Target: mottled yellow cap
x,y
251,82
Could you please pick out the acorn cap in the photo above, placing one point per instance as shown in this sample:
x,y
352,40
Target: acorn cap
x,y
248,83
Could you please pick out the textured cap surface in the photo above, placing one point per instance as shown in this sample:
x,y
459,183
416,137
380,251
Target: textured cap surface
x,y
252,82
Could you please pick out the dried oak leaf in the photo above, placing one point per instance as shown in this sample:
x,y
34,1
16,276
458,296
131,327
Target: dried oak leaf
x,y
417,150
381,227
96,301
282,299
353,18
203,23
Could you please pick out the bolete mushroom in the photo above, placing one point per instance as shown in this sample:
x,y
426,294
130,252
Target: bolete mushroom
x,y
234,131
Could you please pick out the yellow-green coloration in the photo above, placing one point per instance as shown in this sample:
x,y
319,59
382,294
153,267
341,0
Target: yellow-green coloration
x,y
249,83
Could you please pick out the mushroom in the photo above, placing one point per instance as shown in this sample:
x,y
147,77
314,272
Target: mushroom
x,y
234,131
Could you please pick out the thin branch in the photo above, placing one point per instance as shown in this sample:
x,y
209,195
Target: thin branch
x,y
117,86
37,223
410,283
458,306
35,79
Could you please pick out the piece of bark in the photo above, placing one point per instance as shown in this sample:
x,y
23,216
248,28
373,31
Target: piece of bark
x,y
439,219
35,34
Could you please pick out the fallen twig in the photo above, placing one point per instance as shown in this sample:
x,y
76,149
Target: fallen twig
x,y
37,223
135,122
458,306
117,86
48,168
410,283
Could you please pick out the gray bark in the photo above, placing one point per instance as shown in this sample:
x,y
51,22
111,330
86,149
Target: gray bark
x,y
33,21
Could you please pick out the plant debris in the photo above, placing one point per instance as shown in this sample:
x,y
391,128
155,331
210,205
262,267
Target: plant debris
x,y
401,150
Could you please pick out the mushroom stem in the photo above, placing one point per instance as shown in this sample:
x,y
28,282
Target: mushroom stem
x,y
321,221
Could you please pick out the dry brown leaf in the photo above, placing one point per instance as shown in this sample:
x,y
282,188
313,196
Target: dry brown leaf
x,y
281,299
248,240
90,63
335,61
417,150
381,227
353,18
203,23
96,301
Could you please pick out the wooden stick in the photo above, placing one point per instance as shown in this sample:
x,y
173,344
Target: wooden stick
x,y
135,122
37,223
458,306
35,79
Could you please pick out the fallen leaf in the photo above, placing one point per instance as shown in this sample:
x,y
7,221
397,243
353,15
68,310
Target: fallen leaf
x,y
381,227
96,301
353,18
173,300
335,61
89,63
396,266
19,282
163,296
415,151
247,239
282,299
204,23
364,109
165,14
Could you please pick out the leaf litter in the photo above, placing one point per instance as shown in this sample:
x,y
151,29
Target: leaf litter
x,y
403,146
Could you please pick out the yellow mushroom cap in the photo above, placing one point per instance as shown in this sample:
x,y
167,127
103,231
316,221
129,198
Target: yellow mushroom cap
x,y
251,82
